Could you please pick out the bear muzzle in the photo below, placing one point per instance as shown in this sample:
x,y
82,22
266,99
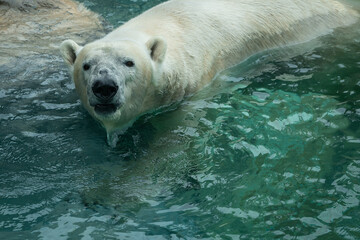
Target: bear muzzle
x,y
106,98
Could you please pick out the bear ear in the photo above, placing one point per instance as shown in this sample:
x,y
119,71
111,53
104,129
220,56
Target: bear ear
x,y
157,47
69,50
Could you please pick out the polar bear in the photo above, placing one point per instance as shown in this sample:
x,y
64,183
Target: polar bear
x,y
177,47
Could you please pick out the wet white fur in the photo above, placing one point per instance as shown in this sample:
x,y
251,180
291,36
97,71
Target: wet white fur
x,y
203,37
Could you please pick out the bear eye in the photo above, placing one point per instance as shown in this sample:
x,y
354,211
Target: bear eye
x,y
86,66
129,63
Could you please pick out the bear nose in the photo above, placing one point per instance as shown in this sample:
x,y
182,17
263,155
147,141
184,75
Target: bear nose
x,y
105,90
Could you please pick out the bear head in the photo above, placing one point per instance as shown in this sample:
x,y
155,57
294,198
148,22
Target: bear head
x,y
113,78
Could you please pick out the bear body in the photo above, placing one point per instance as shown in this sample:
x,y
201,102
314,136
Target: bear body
x,y
177,47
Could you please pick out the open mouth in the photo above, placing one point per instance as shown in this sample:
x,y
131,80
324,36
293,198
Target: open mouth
x,y
105,108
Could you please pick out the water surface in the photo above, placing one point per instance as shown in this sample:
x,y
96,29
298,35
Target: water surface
x,y
271,149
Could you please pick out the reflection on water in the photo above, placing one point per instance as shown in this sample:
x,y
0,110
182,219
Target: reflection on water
x,y
269,150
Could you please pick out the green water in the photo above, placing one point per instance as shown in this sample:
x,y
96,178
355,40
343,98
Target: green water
x,y
271,149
